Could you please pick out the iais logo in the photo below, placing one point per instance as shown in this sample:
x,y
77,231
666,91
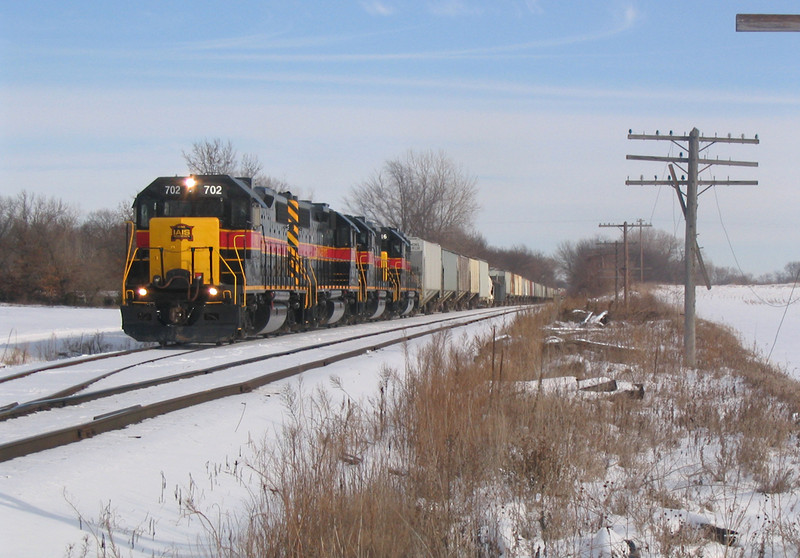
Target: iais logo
x,y
182,232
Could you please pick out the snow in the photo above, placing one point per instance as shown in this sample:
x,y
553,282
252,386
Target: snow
x,y
47,331
136,475
766,317
607,543
50,502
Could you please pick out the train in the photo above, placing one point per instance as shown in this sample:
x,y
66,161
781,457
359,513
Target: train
x,y
213,258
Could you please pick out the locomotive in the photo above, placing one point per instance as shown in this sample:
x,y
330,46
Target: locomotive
x,y
210,258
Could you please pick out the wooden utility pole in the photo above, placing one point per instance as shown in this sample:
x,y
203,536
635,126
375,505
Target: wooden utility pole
x,y
616,267
625,245
641,224
695,145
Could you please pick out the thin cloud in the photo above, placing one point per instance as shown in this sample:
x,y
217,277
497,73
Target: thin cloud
x,y
452,8
513,89
630,16
533,6
280,46
513,50
378,8
626,19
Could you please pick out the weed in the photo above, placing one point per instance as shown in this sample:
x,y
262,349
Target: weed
x,y
452,457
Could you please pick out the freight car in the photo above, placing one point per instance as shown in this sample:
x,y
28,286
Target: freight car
x,y
450,281
510,288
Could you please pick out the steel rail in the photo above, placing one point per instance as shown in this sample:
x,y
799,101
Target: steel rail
x,y
116,420
67,396
76,362
16,409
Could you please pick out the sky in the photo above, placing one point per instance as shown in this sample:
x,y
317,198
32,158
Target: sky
x,y
534,98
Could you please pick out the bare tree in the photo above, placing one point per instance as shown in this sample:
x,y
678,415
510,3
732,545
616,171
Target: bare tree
x,y
250,167
423,194
586,269
38,246
211,157
218,157
790,272
101,250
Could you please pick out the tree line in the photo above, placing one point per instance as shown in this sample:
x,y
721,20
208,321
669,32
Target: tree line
x,y
594,266
53,255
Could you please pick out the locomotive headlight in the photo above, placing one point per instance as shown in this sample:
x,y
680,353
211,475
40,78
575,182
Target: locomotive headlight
x,y
142,291
212,291
190,182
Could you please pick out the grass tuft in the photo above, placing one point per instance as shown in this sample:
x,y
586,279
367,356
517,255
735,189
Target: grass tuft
x,y
465,453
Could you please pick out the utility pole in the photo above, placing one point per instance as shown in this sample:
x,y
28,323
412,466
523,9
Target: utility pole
x,y
616,267
641,224
625,226
695,144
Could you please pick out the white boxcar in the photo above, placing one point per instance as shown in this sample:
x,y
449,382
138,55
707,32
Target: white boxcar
x,y
449,274
474,277
426,264
463,279
516,287
485,283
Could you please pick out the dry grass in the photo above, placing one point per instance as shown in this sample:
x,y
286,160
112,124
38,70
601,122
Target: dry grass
x,y
53,349
15,355
453,456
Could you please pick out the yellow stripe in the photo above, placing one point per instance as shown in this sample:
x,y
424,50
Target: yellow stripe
x,y
259,288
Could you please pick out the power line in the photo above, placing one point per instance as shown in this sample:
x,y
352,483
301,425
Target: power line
x,y
739,267
695,162
785,310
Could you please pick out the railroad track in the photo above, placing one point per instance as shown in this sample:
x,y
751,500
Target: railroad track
x,y
71,377
25,428
69,363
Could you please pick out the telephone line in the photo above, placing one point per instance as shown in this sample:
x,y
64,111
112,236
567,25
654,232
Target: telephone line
x,y
696,144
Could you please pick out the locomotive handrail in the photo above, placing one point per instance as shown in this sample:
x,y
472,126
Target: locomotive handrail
x,y
311,300
309,287
241,266
129,256
362,290
394,279
233,273
128,267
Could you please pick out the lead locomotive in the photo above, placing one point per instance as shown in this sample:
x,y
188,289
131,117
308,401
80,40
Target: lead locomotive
x,y
211,259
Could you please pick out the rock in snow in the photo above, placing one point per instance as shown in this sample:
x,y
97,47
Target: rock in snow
x,y
607,543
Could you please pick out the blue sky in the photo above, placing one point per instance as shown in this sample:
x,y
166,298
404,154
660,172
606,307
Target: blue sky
x,y
534,98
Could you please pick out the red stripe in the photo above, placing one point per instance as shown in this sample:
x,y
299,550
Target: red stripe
x,y
366,258
253,240
399,263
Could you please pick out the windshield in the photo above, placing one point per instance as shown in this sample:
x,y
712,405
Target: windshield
x,y
204,207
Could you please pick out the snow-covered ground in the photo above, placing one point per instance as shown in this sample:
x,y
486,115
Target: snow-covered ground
x,y
46,332
51,501
767,318
54,499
